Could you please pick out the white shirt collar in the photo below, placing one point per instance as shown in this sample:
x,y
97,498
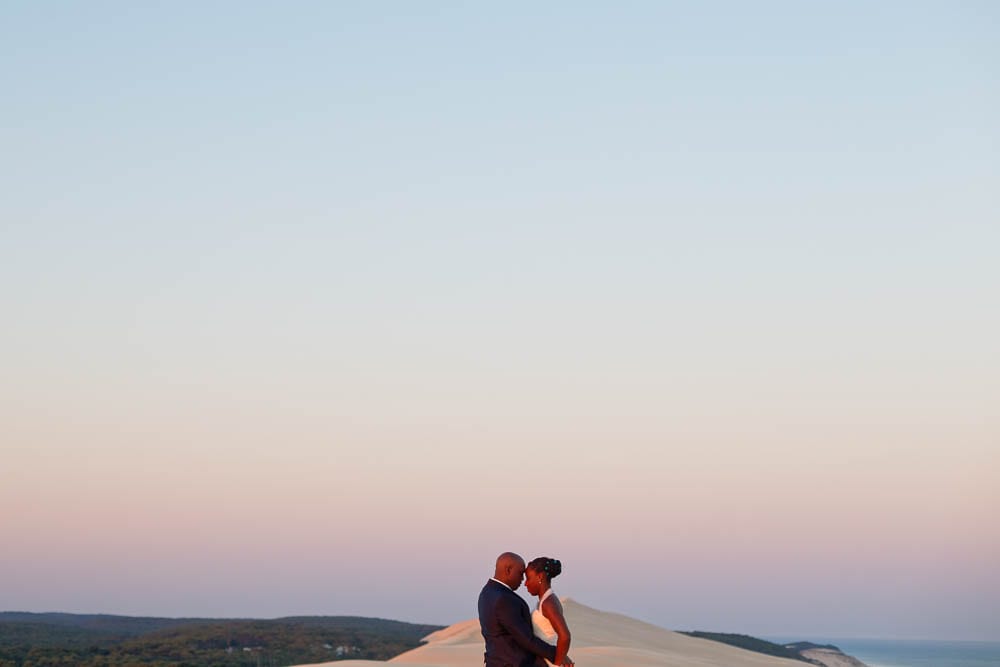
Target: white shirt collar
x,y
501,583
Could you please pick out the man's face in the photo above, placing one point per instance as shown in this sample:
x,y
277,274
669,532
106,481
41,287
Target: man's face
x,y
515,575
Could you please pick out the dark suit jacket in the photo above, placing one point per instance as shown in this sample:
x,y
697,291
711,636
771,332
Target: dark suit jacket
x,y
506,624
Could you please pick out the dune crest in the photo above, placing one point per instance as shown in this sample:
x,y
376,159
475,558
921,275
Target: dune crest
x,y
600,639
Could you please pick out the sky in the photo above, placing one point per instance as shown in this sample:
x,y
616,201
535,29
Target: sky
x,y
315,308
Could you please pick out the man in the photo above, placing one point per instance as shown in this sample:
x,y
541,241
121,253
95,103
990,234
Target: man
x,y
506,622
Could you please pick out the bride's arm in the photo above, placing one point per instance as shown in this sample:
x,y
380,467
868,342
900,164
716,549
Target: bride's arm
x,y
552,610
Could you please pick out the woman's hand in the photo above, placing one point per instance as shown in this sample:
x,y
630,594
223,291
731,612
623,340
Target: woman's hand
x,y
567,662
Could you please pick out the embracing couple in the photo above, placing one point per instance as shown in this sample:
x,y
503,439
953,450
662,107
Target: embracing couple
x,y
514,637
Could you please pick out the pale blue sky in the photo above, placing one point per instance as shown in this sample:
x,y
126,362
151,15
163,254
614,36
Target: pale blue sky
x,y
575,228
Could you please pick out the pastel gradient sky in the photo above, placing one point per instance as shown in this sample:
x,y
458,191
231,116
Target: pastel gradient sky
x,y
314,308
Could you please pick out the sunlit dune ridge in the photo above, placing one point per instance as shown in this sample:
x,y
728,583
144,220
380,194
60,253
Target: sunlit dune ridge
x,y
600,639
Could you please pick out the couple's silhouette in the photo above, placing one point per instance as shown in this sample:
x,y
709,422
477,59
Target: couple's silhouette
x,y
514,637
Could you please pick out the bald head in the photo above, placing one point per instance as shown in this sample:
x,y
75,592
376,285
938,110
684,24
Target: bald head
x,y
510,569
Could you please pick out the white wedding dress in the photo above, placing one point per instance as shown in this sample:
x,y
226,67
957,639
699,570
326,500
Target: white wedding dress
x,y
543,629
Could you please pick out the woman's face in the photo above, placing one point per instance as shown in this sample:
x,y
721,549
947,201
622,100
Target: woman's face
x,y
532,581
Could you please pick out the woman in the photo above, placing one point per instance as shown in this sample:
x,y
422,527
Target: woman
x,y
548,619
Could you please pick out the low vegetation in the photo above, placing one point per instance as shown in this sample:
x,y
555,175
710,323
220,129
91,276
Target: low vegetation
x,y
43,640
790,651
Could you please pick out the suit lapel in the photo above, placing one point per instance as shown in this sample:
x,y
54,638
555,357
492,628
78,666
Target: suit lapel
x,y
523,606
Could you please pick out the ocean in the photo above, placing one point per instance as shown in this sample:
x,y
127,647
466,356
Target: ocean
x,y
918,653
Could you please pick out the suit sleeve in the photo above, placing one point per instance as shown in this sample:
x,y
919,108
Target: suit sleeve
x,y
520,630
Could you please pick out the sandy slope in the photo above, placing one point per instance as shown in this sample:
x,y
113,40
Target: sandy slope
x,y
832,658
600,639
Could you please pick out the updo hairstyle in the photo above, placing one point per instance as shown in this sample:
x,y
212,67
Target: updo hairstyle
x,y
550,567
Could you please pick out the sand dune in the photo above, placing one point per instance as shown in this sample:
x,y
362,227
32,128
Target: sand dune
x,y
600,639
832,658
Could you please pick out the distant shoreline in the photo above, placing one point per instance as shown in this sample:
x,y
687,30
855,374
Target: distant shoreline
x,y
876,652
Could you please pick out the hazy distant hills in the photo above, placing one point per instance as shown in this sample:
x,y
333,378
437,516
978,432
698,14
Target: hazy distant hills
x,y
751,644
91,625
34,640
817,654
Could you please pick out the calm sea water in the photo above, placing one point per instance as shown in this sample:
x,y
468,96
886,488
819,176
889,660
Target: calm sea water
x,y
918,653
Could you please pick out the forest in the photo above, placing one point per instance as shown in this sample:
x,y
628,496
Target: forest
x,y
96,640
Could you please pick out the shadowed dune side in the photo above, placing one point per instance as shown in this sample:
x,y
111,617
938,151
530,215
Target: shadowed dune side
x,y
832,658
600,639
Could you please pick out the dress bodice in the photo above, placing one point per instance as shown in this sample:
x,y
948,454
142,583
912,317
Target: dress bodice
x,y
543,628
